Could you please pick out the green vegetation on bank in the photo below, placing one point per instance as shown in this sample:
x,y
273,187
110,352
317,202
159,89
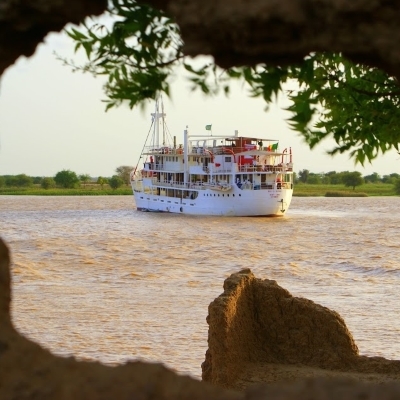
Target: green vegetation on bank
x,y
368,189
89,190
300,190
306,183
344,184
68,183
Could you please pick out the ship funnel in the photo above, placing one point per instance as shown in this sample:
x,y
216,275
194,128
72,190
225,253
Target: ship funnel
x,y
236,133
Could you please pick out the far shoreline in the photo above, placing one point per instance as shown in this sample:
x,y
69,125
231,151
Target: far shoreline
x,y
300,190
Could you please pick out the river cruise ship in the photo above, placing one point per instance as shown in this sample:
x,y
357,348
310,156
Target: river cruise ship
x,y
210,174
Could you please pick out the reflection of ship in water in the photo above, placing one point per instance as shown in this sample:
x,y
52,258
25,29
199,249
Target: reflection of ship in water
x,y
212,175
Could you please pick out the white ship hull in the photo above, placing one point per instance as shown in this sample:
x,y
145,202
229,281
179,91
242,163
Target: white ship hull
x,y
243,204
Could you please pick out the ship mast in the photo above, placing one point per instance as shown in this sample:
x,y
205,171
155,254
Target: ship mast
x,y
186,155
157,118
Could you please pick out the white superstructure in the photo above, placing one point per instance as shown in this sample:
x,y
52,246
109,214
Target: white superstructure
x,y
212,175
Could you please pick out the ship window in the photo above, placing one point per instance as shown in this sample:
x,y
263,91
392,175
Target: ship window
x,y
228,159
239,194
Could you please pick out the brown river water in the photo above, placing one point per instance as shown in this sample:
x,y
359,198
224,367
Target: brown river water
x,y
96,279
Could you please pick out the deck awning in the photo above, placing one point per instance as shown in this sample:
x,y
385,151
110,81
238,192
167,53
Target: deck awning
x,y
259,153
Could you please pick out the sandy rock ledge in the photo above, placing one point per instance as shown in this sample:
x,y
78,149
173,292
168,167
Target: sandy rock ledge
x,y
260,333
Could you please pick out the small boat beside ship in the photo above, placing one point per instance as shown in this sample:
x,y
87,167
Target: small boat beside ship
x,y
211,174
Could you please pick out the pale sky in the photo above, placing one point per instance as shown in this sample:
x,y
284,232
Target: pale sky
x,y
53,119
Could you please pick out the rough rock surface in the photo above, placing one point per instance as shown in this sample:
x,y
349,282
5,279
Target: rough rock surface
x,y
259,332
25,23
241,32
235,32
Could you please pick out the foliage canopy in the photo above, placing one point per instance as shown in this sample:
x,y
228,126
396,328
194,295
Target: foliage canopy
x,y
124,172
352,179
397,186
48,183
115,182
66,179
357,105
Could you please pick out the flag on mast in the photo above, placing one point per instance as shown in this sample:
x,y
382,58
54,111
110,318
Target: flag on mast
x,y
208,127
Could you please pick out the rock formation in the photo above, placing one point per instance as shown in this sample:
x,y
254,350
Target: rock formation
x,y
234,32
259,332
284,31
25,23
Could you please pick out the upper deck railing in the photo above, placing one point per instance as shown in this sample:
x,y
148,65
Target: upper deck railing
x,y
211,150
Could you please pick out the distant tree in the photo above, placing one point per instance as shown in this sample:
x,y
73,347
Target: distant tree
x,y
66,179
2,181
314,179
392,178
115,182
325,179
335,178
395,175
23,180
37,180
101,181
303,175
397,186
11,180
124,172
84,178
352,179
48,183
388,179
373,178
